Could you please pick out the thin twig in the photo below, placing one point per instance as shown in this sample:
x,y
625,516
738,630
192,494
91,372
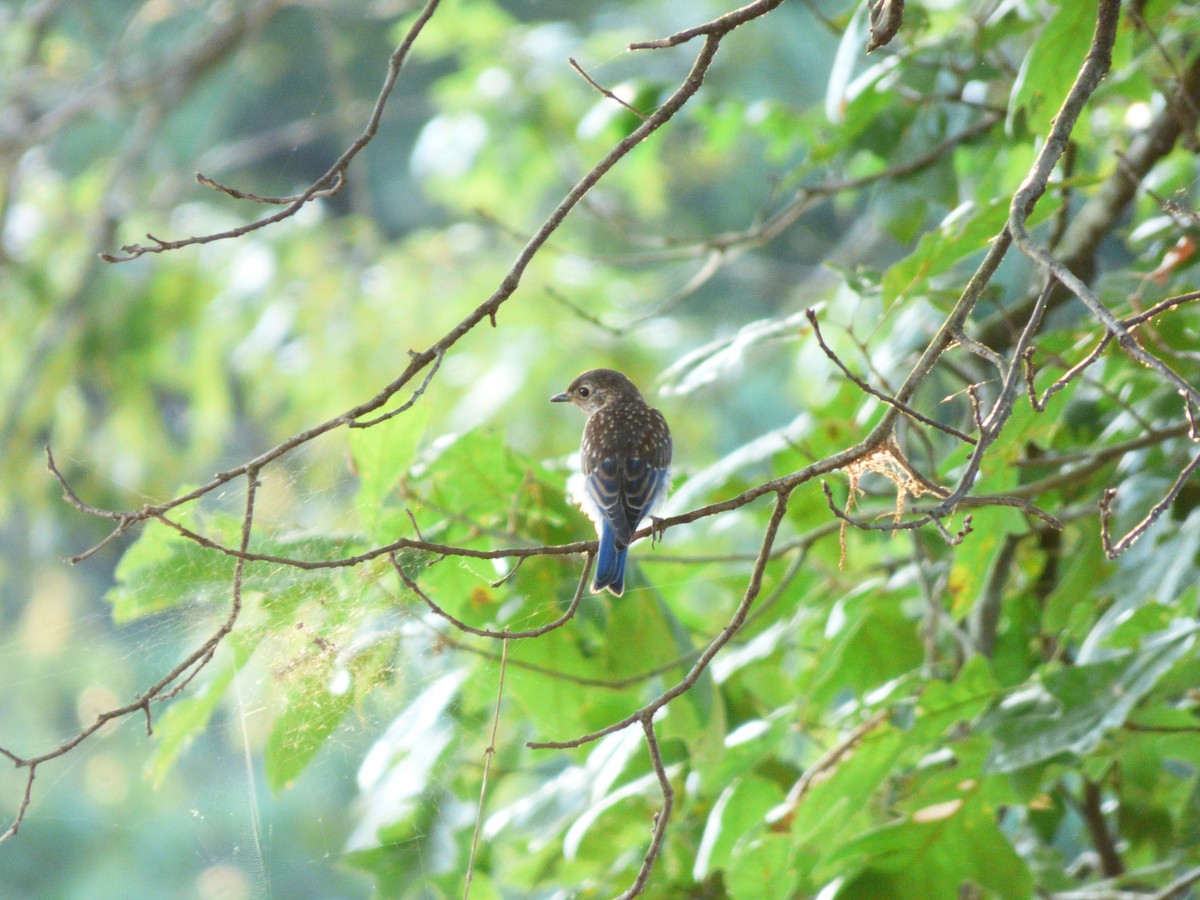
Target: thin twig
x,y
605,91
1111,864
983,351
718,27
505,635
993,424
1177,887
488,754
866,388
620,684
1130,322
162,689
828,760
407,404
1113,550
732,628
582,313
769,227
337,185
323,186
1104,454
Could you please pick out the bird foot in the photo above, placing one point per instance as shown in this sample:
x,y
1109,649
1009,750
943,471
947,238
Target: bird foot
x,y
657,527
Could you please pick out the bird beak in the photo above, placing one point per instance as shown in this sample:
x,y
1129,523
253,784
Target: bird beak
x,y
560,398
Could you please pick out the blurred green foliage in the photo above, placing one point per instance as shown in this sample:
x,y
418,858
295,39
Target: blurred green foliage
x,y
851,742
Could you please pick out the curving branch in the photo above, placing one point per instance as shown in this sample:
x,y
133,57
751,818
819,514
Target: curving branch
x,y
867,389
661,818
327,185
498,635
693,675
619,684
1113,549
164,689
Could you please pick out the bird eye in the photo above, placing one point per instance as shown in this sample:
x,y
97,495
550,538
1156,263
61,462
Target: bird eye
x,y
585,391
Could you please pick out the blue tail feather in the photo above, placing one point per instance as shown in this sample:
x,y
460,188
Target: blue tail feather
x,y
610,563
618,583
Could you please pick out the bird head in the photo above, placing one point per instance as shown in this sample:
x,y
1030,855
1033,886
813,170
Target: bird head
x,y
596,389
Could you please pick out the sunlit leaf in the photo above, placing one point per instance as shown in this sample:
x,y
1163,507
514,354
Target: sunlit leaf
x,y
931,858
1051,64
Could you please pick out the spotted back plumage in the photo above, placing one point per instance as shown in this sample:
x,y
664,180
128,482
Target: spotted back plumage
x,y
626,461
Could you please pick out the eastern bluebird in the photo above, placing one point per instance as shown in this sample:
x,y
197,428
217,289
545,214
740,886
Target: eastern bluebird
x,y
626,457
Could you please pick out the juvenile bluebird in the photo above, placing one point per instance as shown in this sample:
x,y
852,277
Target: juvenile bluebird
x,y
626,456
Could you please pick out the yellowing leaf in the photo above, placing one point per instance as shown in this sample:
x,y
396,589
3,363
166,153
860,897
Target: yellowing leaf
x,y
938,811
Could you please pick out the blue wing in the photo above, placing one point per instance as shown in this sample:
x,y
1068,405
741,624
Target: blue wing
x,y
625,492
623,495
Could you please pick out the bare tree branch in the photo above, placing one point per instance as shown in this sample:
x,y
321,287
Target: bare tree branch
x,y
327,184
866,388
661,818
1113,550
739,618
505,635
717,28
165,688
605,91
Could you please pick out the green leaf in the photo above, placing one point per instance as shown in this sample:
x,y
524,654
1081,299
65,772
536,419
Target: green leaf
x,y
976,554
965,232
754,743
399,795
317,698
834,805
381,455
164,569
1078,579
737,818
187,717
313,712
762,868
1050,66
490,486
1072,710
930,855
842,801
875,644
